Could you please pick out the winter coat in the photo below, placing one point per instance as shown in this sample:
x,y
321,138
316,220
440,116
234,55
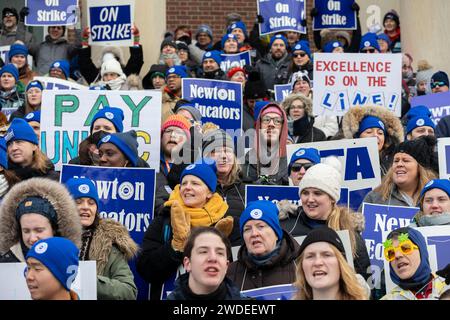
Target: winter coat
x,y
90,72
302,130
24,173
308,68
395,199
21,33
11,100
274,72
112,247
280,269
248,120
182,291
251,172
213,75
328,124
439,287
234,196
68,219
443,127
25,76
300,224
158,261
169,100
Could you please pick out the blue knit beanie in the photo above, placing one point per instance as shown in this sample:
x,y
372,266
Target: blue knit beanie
x,y
10,68
3,154
228,36
238,25
113,114
60,256
419,121
126,142
369,40
17,49
82,188
417,111
311,154
263,210
442,184
34,84
20,130
214,54
302,45
383,36
278,37
63,65
371,122
33,116
178,70
331,45
205,170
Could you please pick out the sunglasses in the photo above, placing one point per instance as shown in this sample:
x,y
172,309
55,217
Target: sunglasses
x,y
302,54
368,51
437,84
296,167
9,14
406,247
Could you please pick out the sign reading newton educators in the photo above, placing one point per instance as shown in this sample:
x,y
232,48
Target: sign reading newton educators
x,y
281,15
127,196
219,102
51,12
346,80
334,14
444,157
360,165
438,103
379,219
235,60
110,22
66,119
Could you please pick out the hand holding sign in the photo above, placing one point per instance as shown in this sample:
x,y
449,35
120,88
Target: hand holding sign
x,y
25,11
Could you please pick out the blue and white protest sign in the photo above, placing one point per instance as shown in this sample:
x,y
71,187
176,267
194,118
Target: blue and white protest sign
x,y
334,14
278,292
282,91
235,60
127,196
438,103
67,116
281,15
360,164
438,245
271,193
110,22
219,102
51,12
444,157
51,83
381,218
346,80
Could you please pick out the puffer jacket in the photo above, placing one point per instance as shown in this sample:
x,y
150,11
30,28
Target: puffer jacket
x,y
274,72
280,269
68,219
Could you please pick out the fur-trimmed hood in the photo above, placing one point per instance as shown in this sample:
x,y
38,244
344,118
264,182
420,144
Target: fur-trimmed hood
x,y
68,219
116,51
352,119
108,233
134,82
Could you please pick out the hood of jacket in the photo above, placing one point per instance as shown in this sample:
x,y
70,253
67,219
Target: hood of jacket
x,y
108,233
116,51
283,130
68,220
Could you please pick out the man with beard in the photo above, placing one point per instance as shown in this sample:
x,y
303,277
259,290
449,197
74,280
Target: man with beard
x,y
274,66
12,30
266,162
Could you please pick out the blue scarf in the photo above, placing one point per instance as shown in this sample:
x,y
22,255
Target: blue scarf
x,y
262,260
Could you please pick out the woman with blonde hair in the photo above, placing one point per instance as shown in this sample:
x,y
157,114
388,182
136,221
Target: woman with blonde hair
x,y
322,271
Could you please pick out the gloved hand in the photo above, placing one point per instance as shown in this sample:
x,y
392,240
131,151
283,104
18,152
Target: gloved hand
x,y
303,22
25,11
259,18
85,36
314,12
225,225
136,35
355,7
4,185
445,273
186,39
181,226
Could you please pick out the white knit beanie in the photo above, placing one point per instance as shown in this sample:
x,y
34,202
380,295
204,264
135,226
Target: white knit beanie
x,y
111,65
325,176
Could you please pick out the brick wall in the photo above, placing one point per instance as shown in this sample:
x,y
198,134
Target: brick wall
x,y
212,13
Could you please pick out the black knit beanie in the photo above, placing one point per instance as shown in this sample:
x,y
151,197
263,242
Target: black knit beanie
x,y
421,149
323,234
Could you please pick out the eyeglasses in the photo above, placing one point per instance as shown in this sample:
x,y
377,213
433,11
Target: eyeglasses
x,y
176,133
368,51
301,54
276,121
296,167
437,84
406,247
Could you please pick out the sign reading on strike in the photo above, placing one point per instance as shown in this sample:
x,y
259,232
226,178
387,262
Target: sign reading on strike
x,y
281,15
51,12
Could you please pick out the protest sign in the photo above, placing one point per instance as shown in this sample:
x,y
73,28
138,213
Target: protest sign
x,y
271,193
438,245
438,103
13,285
380,218
67,116
51,12
125,195
219,102
235,60
278,292
110,22
346,80
281,15
444,157
282,91
334,14
51,83
360,166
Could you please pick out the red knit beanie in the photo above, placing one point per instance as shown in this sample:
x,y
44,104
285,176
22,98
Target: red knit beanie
x,y
176,120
